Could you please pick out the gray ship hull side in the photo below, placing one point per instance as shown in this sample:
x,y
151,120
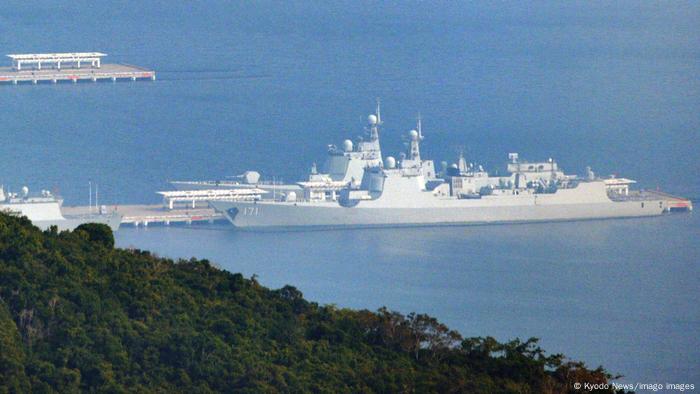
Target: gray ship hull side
x,y
70,223
328,215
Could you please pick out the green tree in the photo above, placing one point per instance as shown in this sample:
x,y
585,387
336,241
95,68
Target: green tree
x,y
78,315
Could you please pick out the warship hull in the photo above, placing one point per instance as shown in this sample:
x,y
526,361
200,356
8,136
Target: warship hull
x,y
70,223
46,212
262,215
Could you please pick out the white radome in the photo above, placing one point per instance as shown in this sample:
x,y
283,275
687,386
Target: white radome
x,y
413,134
390,162
347,146
372,119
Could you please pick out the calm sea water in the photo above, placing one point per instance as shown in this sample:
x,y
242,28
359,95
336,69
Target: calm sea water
x,y
267,86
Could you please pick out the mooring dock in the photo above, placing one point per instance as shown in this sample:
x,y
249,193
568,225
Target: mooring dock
x,y
179,207
145,215
69,67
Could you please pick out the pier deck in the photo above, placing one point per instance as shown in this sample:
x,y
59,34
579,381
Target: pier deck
x,y
106,72
145,215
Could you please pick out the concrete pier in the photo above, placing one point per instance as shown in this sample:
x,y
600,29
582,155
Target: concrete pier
x,y
59,67
107,72
146,215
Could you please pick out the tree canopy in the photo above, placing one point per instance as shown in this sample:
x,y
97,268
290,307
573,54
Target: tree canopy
x,y
78,315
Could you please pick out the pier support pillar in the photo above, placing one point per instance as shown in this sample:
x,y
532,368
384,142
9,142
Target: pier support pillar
x,y
153,77
114,79
75,80
133,78
94,79
14,82
194,204
55,80
34,81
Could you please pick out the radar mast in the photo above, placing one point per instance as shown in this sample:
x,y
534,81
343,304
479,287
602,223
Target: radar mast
x,y
416,137
371,149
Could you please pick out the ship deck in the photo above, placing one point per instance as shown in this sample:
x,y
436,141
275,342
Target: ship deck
x,y
674,203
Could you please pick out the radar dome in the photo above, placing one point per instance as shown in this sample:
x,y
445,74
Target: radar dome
x,y
372,119
251,177
347,146
413,134
390,162
291,196
25,191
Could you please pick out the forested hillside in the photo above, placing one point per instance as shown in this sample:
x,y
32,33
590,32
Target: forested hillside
x,y
76,314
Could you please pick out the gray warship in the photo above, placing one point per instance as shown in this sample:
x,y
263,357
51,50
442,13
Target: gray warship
x,y
44,211
360,189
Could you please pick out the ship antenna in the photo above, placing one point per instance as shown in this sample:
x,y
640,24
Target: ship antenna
x,y
420,130
379,113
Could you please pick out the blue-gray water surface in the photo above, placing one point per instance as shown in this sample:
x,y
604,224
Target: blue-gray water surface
x,y
267,86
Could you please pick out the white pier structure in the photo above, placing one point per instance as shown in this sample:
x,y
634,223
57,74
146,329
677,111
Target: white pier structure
x,y
145,215
191,197
55,60
69,67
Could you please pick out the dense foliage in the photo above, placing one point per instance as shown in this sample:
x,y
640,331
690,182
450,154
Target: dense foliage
x,y
78,315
